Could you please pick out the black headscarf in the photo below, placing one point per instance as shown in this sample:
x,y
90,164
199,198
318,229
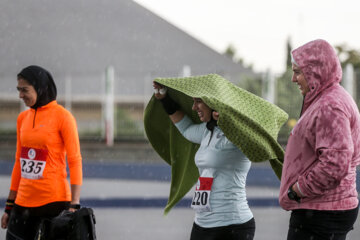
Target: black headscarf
x,y
212,123
42,82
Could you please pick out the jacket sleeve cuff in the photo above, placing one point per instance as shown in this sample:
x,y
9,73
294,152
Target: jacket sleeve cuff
x,y
302,187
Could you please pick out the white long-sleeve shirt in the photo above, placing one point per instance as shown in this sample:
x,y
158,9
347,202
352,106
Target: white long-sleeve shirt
x,y
222,160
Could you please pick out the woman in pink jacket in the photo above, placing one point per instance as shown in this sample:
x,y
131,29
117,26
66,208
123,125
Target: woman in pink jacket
x,y
323,150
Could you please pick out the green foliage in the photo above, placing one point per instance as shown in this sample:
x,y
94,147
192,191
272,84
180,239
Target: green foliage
x,y
288,96
230,52
348,55
289,99
126,126
253,85
90,133
7,132
288,54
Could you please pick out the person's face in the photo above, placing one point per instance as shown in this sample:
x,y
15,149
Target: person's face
x,y
202,110
26,92
299,78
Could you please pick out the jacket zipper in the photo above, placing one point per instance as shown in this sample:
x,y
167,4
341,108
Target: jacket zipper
x,y
34,118
212,131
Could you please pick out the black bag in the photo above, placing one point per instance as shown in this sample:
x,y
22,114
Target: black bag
x,y
78,225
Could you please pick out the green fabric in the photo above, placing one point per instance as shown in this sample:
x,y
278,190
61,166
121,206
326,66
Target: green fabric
x,y
248,121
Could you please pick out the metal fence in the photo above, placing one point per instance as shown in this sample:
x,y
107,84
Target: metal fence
x,y
128,115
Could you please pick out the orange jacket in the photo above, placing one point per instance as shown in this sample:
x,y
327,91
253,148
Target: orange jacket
x,y
44,137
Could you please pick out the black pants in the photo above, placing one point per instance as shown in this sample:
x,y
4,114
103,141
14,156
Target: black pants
x,y
245,231
321,225
24,222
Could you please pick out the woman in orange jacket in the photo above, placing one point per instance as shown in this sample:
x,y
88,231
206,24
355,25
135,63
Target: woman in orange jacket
x,y
46,133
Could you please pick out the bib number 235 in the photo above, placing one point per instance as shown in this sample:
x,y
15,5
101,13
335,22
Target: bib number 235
x,y
33,162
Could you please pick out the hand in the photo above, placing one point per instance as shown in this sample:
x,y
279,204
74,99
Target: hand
x,y
74,206
4,220
215,115
72,210
160,90
296,189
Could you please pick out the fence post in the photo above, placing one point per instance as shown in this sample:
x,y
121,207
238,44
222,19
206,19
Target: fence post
x,y
186,71
109,105
268,88
349,80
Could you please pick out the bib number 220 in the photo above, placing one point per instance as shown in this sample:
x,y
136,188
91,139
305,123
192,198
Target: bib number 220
x,y
201,199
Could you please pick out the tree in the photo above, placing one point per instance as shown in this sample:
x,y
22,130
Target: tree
x,y
288,53
253,85
230,52
348,55
290,100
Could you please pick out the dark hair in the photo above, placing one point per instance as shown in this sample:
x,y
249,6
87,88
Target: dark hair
x,y
43,83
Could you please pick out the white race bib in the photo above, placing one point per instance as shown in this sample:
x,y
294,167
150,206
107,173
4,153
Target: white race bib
x,y
33,162
201,199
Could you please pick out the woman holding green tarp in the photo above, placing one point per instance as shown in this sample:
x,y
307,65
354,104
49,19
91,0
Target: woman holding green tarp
x,y
215,153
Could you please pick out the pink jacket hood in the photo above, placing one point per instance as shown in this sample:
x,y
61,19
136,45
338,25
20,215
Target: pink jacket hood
x,y
320,65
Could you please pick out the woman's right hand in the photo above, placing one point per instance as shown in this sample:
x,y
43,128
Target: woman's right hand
x,y
159,90
4,220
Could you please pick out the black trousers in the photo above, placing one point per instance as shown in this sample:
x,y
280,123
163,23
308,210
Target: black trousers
x,y
321,225
24,222
245,231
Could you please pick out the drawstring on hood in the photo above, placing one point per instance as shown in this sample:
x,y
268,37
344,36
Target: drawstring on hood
x,y
43,83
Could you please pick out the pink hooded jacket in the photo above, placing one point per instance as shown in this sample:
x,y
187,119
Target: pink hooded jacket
x,y
324,147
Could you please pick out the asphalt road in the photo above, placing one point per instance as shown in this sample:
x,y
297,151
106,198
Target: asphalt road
x,y
128,201
133,222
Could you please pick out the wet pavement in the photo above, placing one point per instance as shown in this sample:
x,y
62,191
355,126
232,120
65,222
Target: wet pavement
x,y
128,201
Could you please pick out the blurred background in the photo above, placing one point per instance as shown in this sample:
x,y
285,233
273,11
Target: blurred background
x,y
104,55
82,42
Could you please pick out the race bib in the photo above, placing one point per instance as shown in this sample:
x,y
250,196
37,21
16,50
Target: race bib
x,y
201,199
33,162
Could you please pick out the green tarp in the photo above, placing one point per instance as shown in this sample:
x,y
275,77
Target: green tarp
x,y
248,121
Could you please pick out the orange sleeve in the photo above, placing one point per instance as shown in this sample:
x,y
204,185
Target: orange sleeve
x,y
16,172
70,137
